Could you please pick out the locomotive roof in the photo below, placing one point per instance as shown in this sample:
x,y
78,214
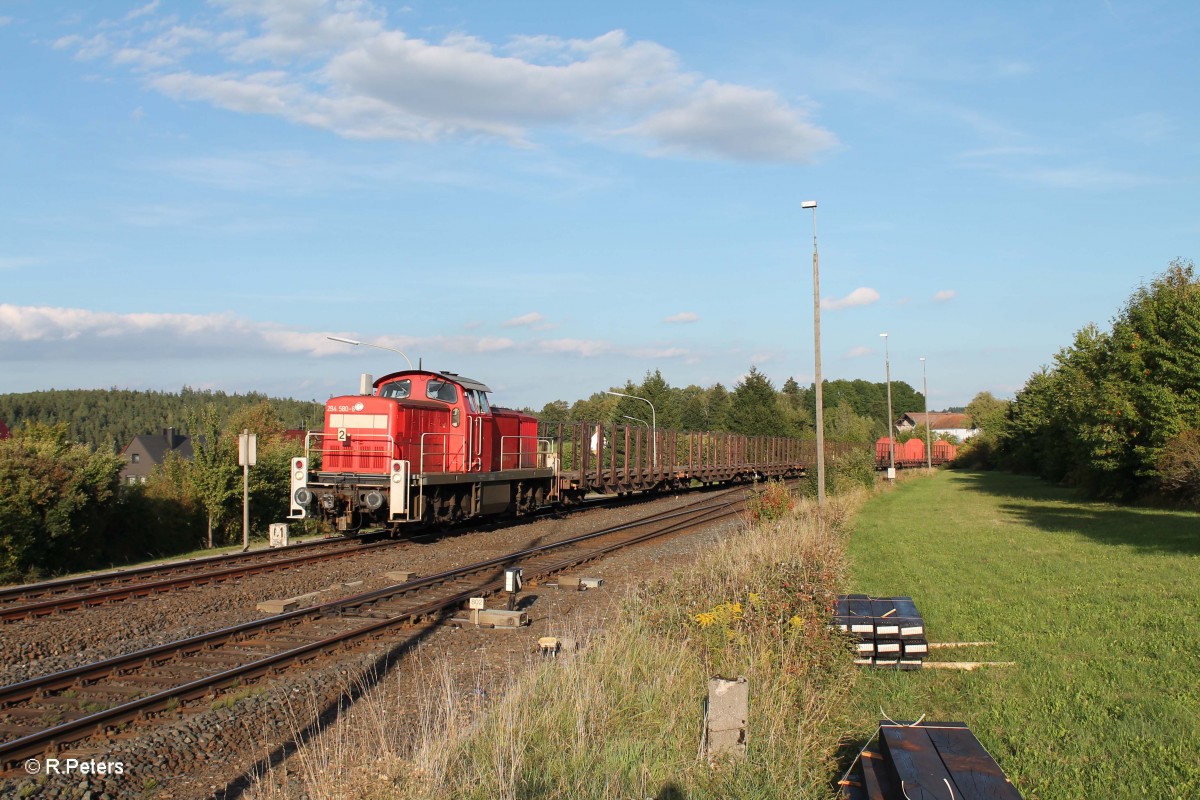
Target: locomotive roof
x,y
466,383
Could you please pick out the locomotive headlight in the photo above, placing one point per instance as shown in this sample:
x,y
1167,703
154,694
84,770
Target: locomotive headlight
x,y
303,496
373,500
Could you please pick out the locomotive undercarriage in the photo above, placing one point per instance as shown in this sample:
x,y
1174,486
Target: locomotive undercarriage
x,y
352,502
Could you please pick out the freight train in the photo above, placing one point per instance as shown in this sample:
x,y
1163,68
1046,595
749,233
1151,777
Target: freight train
x,y
420,447
912,453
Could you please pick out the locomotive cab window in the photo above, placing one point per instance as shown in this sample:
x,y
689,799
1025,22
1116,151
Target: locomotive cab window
x,y
441,390
483,402
397,390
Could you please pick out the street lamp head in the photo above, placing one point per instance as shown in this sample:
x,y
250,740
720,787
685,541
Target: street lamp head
x,y
922,358
809,204
884,335
342,340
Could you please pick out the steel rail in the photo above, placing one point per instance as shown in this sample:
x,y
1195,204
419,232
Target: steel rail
x,y
122,592
73,730
9,594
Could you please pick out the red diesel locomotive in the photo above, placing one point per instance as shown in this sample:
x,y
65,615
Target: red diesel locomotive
x,y
420,446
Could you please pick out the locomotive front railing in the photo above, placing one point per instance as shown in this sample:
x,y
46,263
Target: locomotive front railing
x,y
356,452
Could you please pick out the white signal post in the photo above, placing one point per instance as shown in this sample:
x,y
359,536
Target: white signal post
x,y
247,458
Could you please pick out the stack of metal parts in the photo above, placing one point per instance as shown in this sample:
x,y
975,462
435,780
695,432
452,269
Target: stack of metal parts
x,y
930,760
888,631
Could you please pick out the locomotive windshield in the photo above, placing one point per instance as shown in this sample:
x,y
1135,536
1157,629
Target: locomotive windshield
x,y
441,390
397,390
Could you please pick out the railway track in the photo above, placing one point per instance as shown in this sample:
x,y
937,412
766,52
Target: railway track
x,y
51,597
45,714
29,601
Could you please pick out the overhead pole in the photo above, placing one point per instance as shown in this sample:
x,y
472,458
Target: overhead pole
x,y
820,403
928,450
887,365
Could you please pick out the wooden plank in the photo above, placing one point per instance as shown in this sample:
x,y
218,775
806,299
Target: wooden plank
x,y
974,772
877,778
918,768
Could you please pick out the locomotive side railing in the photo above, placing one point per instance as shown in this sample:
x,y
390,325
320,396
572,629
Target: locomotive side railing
x,y
526,452
445,459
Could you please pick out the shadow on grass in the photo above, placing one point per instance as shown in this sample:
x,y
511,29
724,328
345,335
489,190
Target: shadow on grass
x,y
1053,508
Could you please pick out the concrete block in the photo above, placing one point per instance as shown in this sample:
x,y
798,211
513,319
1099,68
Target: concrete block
x,y
400,575
278,606
288,603
500,618
728,709
569,582
591,583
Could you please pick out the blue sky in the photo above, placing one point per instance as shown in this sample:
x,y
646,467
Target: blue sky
x,y
556,197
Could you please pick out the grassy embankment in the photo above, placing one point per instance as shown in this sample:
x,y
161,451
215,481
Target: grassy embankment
x,y
623,717
1099,605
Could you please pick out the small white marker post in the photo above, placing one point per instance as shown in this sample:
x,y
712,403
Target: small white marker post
x,y
247,458
476,605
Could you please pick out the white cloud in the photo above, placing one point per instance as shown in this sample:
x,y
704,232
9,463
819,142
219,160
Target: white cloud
x,y
729,121
862,296
45,332
5,21
338,67
682,317
858,352
587,348
149,8
944,295
525,320
17,262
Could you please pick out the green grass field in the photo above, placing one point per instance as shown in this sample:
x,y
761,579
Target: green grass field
x,y
1099,605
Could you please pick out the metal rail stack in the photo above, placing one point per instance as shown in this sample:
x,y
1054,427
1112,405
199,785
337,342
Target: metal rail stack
x,y
925,760
888,631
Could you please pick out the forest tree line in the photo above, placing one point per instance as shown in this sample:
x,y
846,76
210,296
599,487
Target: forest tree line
x,y
62,506
855,411
108,419
1117,413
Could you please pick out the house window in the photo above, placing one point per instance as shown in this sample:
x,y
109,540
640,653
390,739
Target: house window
x,y
131,480
136,458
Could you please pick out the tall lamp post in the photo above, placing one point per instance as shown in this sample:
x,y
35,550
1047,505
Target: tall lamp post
x,y
820,422
887,365
925,382
653,422
368,344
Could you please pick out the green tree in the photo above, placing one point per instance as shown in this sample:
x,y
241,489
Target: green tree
x,y
754,407
214,467
56,500
555,411
987,412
